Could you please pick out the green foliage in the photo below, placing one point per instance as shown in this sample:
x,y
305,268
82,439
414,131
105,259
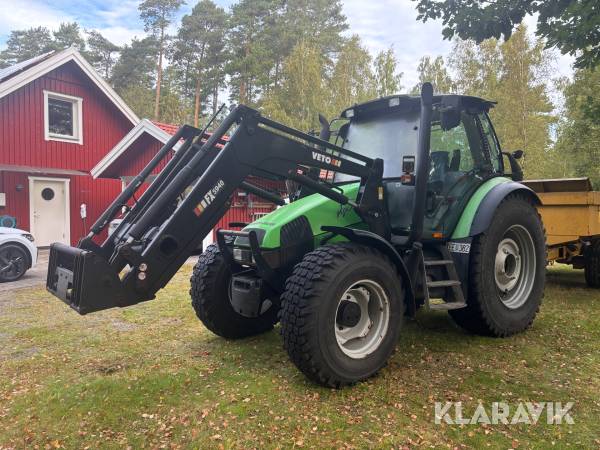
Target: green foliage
x,y
198,53
578,145
387,78
301,95
101,53
514,74
158,14
435,72
251,46
137,65
352,80
67,35
571,26
140,99
25,44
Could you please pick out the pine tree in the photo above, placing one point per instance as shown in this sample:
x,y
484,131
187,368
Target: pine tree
x,y
199,53
136,64
68,35
157,15
251,46
25,44
101,53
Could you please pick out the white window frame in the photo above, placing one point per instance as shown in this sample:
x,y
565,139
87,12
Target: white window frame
x,y
77,103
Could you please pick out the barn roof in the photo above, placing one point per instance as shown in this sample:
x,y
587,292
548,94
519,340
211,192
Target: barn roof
x,y
166,127
23,73
160,131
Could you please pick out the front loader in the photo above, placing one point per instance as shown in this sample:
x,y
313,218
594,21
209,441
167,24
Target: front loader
x,y
418,212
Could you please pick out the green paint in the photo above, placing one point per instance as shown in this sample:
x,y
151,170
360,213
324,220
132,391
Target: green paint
x,y
463,229
318,210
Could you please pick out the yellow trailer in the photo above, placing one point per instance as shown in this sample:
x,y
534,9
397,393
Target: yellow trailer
x,y
570,212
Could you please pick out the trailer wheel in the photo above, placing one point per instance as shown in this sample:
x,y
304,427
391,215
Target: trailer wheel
x,y
506,272
210,284
592,265
341,315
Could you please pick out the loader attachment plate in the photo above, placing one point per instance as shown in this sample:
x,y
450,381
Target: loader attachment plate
x,y
84,280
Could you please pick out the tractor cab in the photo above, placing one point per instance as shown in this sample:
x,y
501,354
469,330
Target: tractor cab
x,y
464,152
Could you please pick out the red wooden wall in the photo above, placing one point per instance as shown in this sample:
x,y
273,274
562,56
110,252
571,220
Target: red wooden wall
x,y
22,143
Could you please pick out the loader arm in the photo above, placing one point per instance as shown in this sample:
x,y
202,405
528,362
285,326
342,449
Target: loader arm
x,y
159,232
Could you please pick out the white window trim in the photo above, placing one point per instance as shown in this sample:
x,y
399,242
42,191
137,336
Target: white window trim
x,y
78,115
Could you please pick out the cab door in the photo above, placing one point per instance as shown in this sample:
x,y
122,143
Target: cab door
x,y
461,158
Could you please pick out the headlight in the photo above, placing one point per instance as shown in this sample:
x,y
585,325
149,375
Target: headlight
x,y
243,255
29,237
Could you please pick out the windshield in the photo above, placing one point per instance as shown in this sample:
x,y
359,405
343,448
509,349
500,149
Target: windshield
x,y
387,137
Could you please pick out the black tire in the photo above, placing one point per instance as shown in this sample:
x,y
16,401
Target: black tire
x,y
210,284
310,306
486,313
15,260
592,265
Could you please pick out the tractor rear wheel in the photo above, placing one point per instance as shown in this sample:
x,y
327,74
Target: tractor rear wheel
x,y
592,265
210,287
507,272
341,314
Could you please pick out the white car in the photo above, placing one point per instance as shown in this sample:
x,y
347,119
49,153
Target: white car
x,y
18,253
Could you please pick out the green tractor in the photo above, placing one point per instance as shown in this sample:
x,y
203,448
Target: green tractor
x,y
416,210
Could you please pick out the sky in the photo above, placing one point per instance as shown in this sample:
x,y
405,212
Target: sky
x,y
379,23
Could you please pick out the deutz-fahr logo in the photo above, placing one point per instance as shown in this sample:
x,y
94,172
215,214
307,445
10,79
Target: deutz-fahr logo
x,y
209,197
326,159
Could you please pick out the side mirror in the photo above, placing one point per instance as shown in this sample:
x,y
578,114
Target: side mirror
x,y
515,168
518,154
343,131
325,133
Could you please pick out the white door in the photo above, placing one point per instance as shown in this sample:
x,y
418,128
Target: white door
x,y
49,207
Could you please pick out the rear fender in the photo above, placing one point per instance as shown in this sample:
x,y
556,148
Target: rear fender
x,y
487,208
370,239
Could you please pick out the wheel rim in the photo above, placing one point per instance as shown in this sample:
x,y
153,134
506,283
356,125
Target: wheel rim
x,y
362,319
515,267
12,263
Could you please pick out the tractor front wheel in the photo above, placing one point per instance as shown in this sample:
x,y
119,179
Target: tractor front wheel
x,y
341,314
507,272
210,291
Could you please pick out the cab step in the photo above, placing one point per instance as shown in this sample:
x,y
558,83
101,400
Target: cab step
x,y
454,297
438,262
443,283
446,306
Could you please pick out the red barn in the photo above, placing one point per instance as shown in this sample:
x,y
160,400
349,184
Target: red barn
x,y
58,119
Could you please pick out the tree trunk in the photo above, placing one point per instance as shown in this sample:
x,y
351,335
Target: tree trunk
x,y
197,102
159,75
215,98
242,91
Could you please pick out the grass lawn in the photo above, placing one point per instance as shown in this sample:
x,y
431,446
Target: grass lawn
x,y
152,376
